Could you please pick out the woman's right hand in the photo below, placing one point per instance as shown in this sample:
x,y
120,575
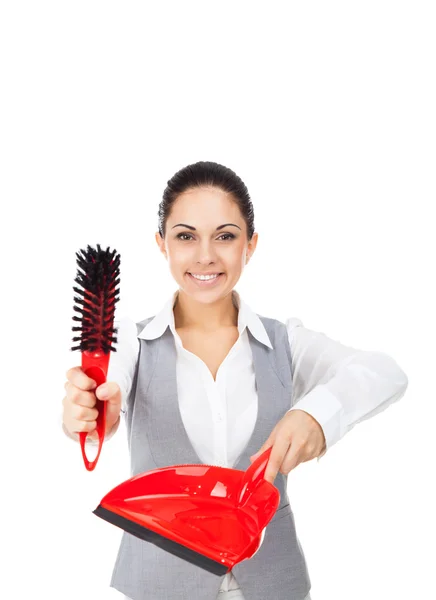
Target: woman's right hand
x,y
79,412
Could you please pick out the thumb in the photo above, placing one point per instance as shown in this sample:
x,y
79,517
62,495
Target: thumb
x,y
109,391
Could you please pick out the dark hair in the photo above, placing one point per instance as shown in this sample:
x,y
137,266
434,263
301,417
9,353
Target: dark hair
x,y
206,173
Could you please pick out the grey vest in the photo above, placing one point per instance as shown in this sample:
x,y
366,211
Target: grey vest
x,y
157,438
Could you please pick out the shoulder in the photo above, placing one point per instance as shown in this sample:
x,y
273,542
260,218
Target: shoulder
x,y
124,324
125,331
287,331
128,327
289,323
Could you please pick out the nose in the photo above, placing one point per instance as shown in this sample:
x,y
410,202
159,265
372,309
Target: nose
x,y
206,253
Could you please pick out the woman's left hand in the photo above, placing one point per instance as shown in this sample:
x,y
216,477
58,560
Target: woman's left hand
x,y
296,438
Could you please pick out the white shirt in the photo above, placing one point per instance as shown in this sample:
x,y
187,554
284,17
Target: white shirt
x,y
338,385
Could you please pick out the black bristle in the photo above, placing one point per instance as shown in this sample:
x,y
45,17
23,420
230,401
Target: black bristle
x,y
98,275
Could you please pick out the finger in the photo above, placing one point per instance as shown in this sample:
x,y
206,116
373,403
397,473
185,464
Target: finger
x,y
265,447
269,442
276,458
82,413
93,435
293,456
77,396
78,426
109,391
78,377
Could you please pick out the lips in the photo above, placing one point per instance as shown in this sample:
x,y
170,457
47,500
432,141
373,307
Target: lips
x,y
189,273
203,283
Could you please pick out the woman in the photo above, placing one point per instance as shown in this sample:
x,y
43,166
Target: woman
x,y
207,380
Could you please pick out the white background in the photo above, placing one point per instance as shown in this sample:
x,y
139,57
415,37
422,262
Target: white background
x,y
326,110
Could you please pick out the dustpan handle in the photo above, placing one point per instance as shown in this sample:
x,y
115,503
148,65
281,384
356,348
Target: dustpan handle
x,y
253,476
95,365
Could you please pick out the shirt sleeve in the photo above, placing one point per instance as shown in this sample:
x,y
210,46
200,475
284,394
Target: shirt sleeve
x,y
339,385
122,363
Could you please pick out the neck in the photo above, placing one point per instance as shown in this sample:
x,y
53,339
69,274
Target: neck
x,y
190,314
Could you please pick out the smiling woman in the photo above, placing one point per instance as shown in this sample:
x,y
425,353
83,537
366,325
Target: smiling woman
x,y
209,381
206,232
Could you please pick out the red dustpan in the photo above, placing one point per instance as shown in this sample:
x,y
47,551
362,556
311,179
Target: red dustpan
x,y
211,516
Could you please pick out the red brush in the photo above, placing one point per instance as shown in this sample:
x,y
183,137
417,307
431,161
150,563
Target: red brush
x,y
99,296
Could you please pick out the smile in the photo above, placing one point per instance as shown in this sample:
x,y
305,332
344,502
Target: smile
x,y
205,280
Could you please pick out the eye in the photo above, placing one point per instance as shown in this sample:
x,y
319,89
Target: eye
x,y
228,236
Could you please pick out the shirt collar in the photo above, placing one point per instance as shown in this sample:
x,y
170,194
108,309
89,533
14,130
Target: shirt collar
x,y
246,318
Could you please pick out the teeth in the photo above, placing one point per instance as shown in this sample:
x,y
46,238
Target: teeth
x,y
204,277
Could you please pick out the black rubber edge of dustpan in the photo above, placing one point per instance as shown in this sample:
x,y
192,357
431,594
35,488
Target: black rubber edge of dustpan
x,y
166,544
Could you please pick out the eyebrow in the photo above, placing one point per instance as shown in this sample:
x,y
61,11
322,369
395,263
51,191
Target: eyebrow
x,y
194,229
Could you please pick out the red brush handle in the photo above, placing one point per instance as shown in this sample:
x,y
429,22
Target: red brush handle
x,y
95,365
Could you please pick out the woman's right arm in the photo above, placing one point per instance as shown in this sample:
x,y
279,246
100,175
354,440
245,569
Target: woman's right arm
x,y
79,413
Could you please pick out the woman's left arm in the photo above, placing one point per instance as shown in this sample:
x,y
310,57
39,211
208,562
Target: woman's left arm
x,y
338,386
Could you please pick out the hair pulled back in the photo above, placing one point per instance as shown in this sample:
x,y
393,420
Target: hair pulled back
x,y
206,173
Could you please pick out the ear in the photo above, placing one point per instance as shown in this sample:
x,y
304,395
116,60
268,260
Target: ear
x,y
161,243
251,247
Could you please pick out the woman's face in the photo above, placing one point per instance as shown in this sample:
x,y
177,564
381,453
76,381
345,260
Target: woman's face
x,y
196,243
